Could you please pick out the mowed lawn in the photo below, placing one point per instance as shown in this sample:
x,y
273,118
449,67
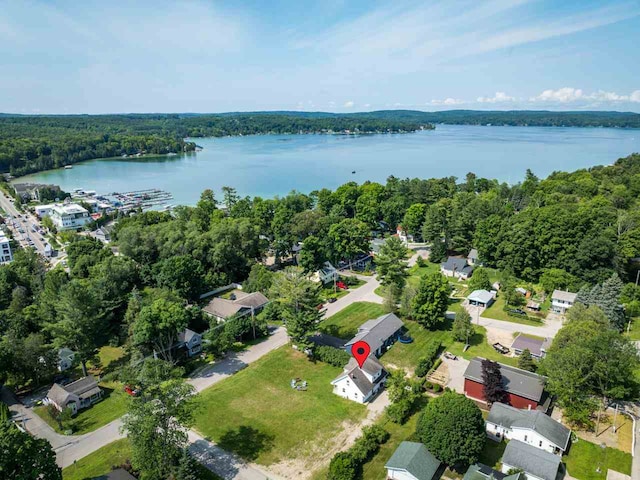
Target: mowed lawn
x,y
112,406
585,458
112,455
496,311
99,462
257,414
346,322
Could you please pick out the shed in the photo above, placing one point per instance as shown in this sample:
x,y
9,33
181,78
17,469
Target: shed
x,y
412,460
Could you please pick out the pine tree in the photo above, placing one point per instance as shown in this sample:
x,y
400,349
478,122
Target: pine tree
x,y
493,387
525,361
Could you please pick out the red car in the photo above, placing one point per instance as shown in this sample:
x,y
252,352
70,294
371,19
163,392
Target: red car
x,y
129,390
341,285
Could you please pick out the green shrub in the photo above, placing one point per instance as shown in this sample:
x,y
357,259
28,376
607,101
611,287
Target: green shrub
x,y
398,412
333,356
342,467
428,385
436,387
420,262
436,364
427,361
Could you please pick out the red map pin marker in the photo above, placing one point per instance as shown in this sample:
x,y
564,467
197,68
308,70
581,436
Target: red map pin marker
x,y
360,351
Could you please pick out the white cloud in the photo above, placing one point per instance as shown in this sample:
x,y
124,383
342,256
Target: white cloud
x,y
573,95
499,97
349,104
446,101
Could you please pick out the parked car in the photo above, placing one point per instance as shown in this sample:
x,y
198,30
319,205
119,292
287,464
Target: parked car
x,y
450,356
129,390
517,311
341,285
332,299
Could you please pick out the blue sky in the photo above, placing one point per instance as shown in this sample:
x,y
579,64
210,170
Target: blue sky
x,y
207,56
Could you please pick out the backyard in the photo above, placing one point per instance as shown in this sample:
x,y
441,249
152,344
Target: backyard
x,y
585,458
257,414
345,323
112,406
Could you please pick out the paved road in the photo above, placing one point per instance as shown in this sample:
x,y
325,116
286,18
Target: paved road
x,y
365,293
223,463
76,447
25,224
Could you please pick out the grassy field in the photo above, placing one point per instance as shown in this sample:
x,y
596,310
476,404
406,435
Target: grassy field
x,y
257,414
497,312
99,462
112,406
102,460
345,323
585,458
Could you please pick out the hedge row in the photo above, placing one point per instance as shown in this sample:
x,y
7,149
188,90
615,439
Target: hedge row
x,y
333,356
346,465
425,363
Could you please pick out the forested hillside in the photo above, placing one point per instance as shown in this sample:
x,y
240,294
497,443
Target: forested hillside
x,y
30,144
33,143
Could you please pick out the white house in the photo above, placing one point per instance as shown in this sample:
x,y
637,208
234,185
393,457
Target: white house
x,y
360,384
412,461
536,464
77,395
5,249
44,210
531,427
65,359
69,216
457,268
561,301
190,341
326,274
403,235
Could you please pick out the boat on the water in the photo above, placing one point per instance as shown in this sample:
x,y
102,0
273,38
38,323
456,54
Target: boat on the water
x,y
68,167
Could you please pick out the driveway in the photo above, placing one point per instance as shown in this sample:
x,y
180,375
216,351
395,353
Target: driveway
x,y
456,369
421,252
548,330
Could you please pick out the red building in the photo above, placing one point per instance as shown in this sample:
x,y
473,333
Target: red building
x,y
524,389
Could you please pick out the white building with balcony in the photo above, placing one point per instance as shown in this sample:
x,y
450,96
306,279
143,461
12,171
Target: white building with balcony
x,y
562,301
69,216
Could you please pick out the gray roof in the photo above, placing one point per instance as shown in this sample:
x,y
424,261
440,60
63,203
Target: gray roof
x,y
58,395
84,388
473,254
519,382
480,471
482,296
117,474
415,459
375,332
545,426
186,335
565,296
457,264
534,345
224,308
361,381
532,460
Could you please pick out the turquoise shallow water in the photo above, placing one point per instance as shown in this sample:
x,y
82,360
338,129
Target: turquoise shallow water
x,y
269,165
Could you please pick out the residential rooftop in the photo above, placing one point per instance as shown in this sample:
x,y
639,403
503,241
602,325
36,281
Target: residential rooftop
x,y
516,381
532,460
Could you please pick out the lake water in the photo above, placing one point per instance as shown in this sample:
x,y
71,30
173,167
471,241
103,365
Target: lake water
x,y
269,165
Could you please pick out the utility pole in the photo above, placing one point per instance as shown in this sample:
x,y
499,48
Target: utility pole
x,y
615,415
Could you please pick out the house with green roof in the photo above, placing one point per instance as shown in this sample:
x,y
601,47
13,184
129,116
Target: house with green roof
x,y
412,461
480,471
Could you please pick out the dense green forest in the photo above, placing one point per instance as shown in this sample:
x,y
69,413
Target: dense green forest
x,y
570,230
33,143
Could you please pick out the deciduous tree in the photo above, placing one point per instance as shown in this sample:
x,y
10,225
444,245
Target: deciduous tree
x,y
24,457
431,300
